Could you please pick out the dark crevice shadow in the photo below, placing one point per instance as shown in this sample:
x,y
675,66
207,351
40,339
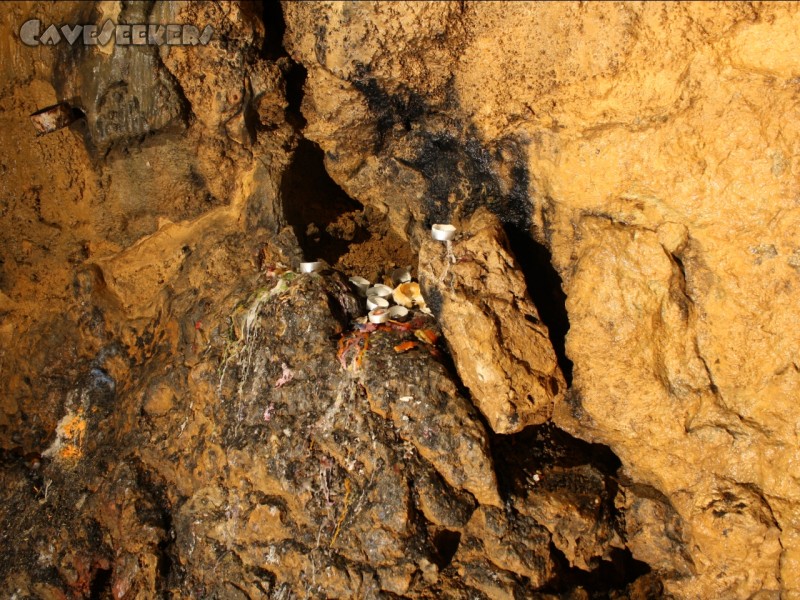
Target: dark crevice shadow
x,y
293,72
613,575
274,28
101,585
446,543
545,288
517,455
559,458
295,75
312,201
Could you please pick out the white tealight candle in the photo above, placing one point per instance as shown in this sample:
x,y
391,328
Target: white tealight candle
x,y
310,267
443,232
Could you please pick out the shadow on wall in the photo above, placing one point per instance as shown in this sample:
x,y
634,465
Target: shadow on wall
x,y
313,202
462,176
545,288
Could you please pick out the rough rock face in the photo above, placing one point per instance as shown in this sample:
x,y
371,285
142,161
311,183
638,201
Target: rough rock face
x,y
181,415
284,455
650,148
479,294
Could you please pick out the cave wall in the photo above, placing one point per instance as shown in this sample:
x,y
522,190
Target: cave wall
x,y
652,149
648,150
159,181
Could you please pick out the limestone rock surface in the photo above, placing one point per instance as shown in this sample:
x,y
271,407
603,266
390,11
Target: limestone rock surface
x,y
650,148
500,346
182,414
175,416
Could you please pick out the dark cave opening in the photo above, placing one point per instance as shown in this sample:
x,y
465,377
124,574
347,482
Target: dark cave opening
x,y
295,75
101,584
313,204
517,456
446,543
609,576
546,458
545,288
293,72
274,28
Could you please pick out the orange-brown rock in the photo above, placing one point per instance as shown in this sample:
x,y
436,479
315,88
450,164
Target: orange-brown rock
x,y
650,148
500,346
147,450
497,545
